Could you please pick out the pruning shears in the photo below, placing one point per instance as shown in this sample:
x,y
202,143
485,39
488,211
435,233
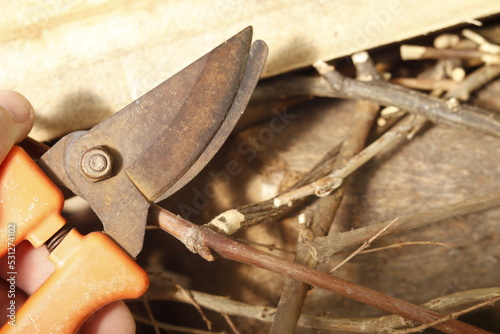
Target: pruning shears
x,y
140,155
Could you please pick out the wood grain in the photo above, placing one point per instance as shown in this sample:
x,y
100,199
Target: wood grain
x,y
80,61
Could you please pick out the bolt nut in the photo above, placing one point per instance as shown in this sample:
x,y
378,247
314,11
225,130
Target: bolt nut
x,y
96,164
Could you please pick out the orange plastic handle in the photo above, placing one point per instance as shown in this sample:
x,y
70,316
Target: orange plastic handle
x,y
90,271
30,204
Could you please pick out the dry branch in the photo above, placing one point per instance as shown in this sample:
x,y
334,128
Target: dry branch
x,y
452,315
413,52
159,290
425,84
484,45
325,185
151,316
253,214
325,247
294,292
169,327
435,109
201,239
432,108
365,245
249,215
474,81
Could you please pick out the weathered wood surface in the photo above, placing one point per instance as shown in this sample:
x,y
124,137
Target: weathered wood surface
x,y
80,61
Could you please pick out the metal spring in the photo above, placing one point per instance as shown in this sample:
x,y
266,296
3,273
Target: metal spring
x,y
59,236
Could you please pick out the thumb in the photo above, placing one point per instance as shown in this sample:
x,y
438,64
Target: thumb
x,y
16,120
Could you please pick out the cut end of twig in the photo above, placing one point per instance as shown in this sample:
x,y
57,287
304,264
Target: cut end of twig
x,y
458,74
484,45
409,52
323,67
389,111
280,202
446,41
491,59
360,57
227,222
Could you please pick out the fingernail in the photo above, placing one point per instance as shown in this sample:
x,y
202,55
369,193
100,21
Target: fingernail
x,y
17,105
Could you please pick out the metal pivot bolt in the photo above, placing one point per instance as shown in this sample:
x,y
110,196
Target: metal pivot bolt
x,y
96,163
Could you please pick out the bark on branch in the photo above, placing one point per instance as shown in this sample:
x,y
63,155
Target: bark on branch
x,y
201,239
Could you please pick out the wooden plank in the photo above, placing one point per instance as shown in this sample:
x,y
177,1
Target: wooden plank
x,y
80,61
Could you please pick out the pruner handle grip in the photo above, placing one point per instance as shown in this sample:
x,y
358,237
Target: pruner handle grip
x,y
90,271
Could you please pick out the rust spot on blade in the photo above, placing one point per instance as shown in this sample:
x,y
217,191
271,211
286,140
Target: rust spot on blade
x,y
197,121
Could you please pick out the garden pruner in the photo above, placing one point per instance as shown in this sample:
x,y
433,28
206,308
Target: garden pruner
x,y
140,155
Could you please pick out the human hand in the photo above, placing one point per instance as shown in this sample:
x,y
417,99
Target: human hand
x,y
32,265
16,120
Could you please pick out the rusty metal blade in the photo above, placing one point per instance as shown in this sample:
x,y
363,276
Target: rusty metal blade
x,y
256,61
156,140
196,122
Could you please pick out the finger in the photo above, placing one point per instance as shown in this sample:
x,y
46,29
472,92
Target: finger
x,y
31,265
112,318
16,120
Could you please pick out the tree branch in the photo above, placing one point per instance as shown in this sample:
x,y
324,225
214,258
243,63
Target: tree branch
x,y
435,109
448,303
325,185
295,292
232,250
325,247
414,52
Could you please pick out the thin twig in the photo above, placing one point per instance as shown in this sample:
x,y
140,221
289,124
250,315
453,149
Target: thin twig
x,y
175,328
355,88
365,245
249,215
199,238
224,305
294,293
414,52
484,45
435,109
270,247
263,212
152,319
452,315
473,81
406,243
425,84
230,323
197,306
325,185
325,247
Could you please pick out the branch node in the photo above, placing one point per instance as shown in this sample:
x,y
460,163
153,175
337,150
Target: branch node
x,y
194,241
331,185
